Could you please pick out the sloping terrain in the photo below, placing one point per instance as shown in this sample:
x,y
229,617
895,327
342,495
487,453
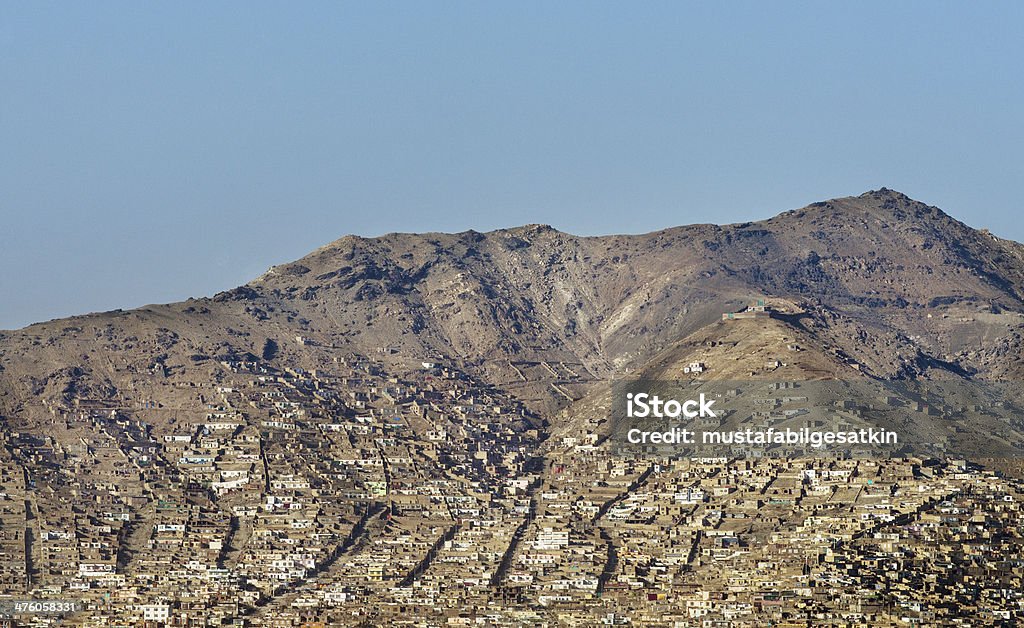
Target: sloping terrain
x,y
882,266
391,423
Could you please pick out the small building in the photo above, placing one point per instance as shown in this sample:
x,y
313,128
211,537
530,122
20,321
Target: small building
x,y
757,309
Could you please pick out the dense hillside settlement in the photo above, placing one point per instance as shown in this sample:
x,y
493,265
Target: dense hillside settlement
x,y
412,430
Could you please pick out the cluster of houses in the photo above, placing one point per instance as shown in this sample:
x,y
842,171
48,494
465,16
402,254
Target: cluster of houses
x,y
239,497
292,497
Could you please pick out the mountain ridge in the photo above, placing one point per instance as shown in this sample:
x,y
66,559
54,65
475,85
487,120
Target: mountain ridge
x,y
406,384
881,266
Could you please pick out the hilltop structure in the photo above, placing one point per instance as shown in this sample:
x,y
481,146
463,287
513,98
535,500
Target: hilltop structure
x,y
756,309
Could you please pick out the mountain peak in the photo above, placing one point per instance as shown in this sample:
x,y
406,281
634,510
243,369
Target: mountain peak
x,y
892,200
886,205
530,229
886,193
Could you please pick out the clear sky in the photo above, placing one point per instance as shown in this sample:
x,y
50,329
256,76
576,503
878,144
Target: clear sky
x,y
154,151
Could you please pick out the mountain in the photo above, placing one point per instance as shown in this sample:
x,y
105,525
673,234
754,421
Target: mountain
x,y
317,438
898,284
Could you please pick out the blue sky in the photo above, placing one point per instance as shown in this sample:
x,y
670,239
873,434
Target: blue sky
x,y
156,151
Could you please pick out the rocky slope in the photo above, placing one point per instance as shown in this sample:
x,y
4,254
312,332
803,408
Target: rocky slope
x,y
896,285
